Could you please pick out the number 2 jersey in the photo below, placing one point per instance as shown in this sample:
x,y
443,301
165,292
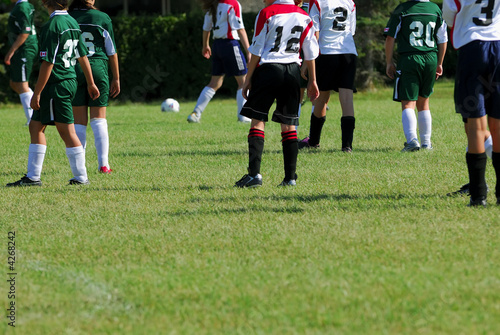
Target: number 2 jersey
x,y
472,20
227,22
97,32
417,26
281,31
61,45
336,22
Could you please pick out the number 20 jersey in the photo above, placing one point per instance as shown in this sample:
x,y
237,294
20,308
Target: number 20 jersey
x,y
472,20
418,26
336,22
281,31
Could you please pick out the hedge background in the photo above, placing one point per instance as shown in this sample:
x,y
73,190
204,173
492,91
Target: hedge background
x,y
160,57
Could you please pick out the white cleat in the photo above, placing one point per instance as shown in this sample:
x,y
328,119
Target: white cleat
x,y
194,118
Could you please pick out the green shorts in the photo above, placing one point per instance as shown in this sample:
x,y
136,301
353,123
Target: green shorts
x,y
101,79
21,64
55,103
415,76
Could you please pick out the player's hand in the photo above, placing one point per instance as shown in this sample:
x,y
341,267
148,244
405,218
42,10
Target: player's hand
x,y
439,71
35,102
312,90
303,72
114,90
206,52
7,58
390,70
93,91
246,88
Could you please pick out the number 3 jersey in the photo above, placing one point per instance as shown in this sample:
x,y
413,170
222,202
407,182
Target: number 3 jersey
x,y
336,22
61,45
417,26
281,31
472,20
97,32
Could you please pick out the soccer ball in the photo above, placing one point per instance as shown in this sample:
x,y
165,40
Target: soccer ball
x,y
170,105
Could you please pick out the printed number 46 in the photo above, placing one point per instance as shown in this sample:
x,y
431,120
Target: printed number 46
x,y
488,10
71,54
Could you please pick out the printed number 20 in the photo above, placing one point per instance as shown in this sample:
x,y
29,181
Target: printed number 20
x,y
418,35
488,10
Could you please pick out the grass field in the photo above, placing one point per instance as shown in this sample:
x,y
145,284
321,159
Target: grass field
x,y
367,243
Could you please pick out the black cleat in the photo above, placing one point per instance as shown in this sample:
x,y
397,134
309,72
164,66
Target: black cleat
x,y
289,182
249,181
477,203
464,190
347,149
25,181
77,182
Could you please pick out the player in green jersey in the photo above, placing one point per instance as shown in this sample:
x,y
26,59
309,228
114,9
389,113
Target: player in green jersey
x,y
22,53
420,32
97,32
60,48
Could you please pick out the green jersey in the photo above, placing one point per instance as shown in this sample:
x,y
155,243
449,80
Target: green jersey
x,y
21,22
61,45
97,32
417,26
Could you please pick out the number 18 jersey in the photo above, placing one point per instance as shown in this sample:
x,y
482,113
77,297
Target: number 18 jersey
x,y
417,26
281,31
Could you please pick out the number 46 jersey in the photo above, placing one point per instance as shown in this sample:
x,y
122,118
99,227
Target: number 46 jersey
x,y
336,22
417,26
472,20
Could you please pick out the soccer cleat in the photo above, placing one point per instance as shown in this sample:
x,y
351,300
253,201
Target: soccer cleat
x,y
25,181
304,143
477,203
464,190
412,146
426,147
249,181
74,181
347,149
290,182
105,170
194,118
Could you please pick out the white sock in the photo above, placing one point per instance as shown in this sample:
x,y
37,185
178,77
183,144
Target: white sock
x,y
81,132
488,146
76,157
425,126
100,130
409,124
205,96
26,101
240,101
35,161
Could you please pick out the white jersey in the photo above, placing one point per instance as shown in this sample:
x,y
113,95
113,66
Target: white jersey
x,y
472,20
336,22
282,30
228,20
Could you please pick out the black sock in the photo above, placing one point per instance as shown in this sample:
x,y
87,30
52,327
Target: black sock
x,y
476,164
289,141
255,149
495,157
316,127
347,126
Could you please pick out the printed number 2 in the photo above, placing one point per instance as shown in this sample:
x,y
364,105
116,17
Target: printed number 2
x,y
488,10
418,35
71,54
292,45
338,22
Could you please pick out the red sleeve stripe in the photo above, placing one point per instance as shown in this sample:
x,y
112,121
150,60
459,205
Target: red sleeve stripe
x,y
315,3
304,34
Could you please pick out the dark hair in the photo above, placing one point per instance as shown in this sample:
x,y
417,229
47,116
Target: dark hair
x,y
211,7
81,4
56,4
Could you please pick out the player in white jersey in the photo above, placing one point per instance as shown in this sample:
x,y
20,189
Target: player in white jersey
x,y
476,34
335,67
282,29
223,17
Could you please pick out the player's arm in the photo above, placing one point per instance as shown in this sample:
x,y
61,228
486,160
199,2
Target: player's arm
x,y
252,65
441,53
91,87
390,68
205,50
43,78
21,38
115,71
244,42
312,86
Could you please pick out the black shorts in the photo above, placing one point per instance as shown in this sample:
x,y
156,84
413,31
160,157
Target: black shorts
x,y
280,82
336,71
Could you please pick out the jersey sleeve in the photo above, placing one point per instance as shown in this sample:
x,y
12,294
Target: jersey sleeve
x,y
48,47
208,22
234,18
259,37
310,46
315,14
353,21
449,12
23,21
393,25
109,39
442,33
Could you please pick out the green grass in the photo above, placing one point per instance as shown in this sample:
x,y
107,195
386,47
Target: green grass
x,y
366,243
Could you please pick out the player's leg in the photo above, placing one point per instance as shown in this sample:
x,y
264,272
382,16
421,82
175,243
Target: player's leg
x,y
347,122
81,120
20,71
240,101
318,119
25,94
409,121
99,125
476,159
74,152
494,125
424,122
205,96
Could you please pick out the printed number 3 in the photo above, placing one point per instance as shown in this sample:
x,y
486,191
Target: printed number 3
x,y
70,48
488,10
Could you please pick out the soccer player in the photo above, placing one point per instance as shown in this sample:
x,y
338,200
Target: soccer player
x,y
420,32
97,33
281,30
61,46
335,67
476,35
224,18
22,53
